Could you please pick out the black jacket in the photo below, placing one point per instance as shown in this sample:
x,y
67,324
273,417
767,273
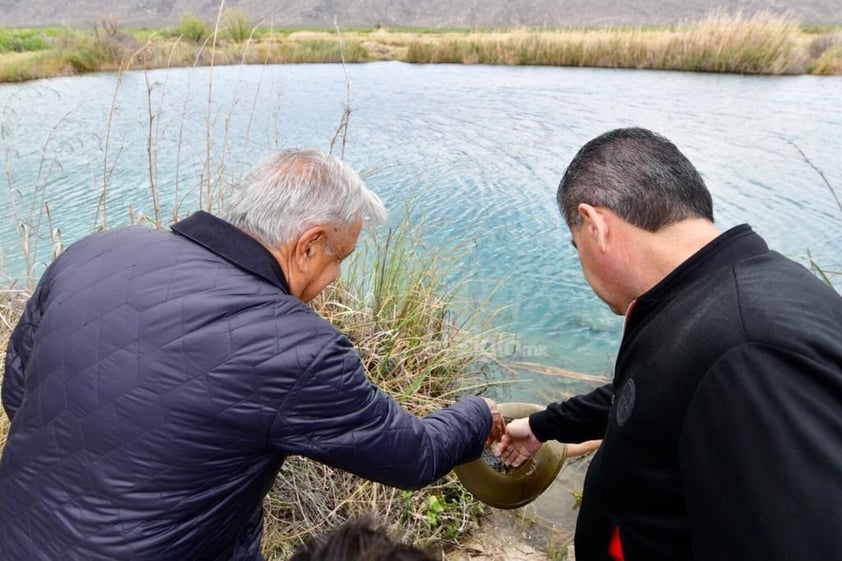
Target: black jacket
x,y
157,381
724,439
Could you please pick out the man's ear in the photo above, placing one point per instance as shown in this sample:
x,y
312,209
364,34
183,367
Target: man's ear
x,y
595,222
307,243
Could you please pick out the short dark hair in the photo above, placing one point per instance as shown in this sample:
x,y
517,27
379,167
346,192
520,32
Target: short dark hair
x,y
639,175
360,540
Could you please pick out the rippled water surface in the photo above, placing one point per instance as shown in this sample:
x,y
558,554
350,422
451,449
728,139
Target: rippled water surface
x,y
476,151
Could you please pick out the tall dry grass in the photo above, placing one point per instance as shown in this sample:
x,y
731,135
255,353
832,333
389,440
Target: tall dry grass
x,y
761,43
756,43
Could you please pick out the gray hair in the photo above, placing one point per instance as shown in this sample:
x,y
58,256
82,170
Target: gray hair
x,y
639,175
295,190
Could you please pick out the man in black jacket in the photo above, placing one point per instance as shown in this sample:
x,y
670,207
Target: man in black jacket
x,y
157,381
722,428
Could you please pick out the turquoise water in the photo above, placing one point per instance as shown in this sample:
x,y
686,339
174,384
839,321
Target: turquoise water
x,y
475,151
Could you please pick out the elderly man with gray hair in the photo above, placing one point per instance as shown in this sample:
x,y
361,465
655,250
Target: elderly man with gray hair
x,y
158,380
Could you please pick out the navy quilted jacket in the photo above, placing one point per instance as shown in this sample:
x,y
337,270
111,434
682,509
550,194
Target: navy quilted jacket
x,y
156,383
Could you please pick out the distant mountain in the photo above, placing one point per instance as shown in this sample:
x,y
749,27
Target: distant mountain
x,y
408,13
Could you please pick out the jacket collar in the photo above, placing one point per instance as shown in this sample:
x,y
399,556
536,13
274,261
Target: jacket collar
x,y
233,245
740,242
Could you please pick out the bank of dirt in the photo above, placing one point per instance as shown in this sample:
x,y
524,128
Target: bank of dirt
x,y
540,531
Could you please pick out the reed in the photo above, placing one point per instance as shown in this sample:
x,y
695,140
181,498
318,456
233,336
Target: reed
x,y
758,44
763,43
827,275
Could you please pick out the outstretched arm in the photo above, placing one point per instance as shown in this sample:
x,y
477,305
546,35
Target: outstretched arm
x,y
581,419
337,417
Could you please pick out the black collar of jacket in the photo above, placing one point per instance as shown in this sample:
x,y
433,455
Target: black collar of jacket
x,y
232,244
740,242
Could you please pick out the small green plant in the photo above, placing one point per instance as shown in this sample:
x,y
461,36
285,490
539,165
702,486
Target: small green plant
x,y
557,548
434,508
443,513
577,499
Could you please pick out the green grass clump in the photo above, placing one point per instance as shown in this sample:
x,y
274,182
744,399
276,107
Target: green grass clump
x,y
238,28
22,40
90,55
193,28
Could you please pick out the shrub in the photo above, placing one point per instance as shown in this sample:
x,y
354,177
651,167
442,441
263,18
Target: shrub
x,y
193,29
22,40
89,55
237,25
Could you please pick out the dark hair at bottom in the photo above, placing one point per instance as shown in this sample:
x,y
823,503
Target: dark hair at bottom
x,y
360,540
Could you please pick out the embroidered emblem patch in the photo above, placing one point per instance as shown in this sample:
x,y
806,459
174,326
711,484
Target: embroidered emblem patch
x,y
625,403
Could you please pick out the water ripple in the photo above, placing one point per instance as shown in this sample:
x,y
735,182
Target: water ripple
x,y
475,151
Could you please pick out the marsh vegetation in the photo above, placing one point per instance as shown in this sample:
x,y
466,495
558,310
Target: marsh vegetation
x,y
760,43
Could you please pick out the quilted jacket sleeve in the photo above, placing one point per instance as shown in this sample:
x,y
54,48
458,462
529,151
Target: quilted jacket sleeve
x,y
20,347
336,416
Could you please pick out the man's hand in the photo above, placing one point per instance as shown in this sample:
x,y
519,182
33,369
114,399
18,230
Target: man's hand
x,y
498,423
518,444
